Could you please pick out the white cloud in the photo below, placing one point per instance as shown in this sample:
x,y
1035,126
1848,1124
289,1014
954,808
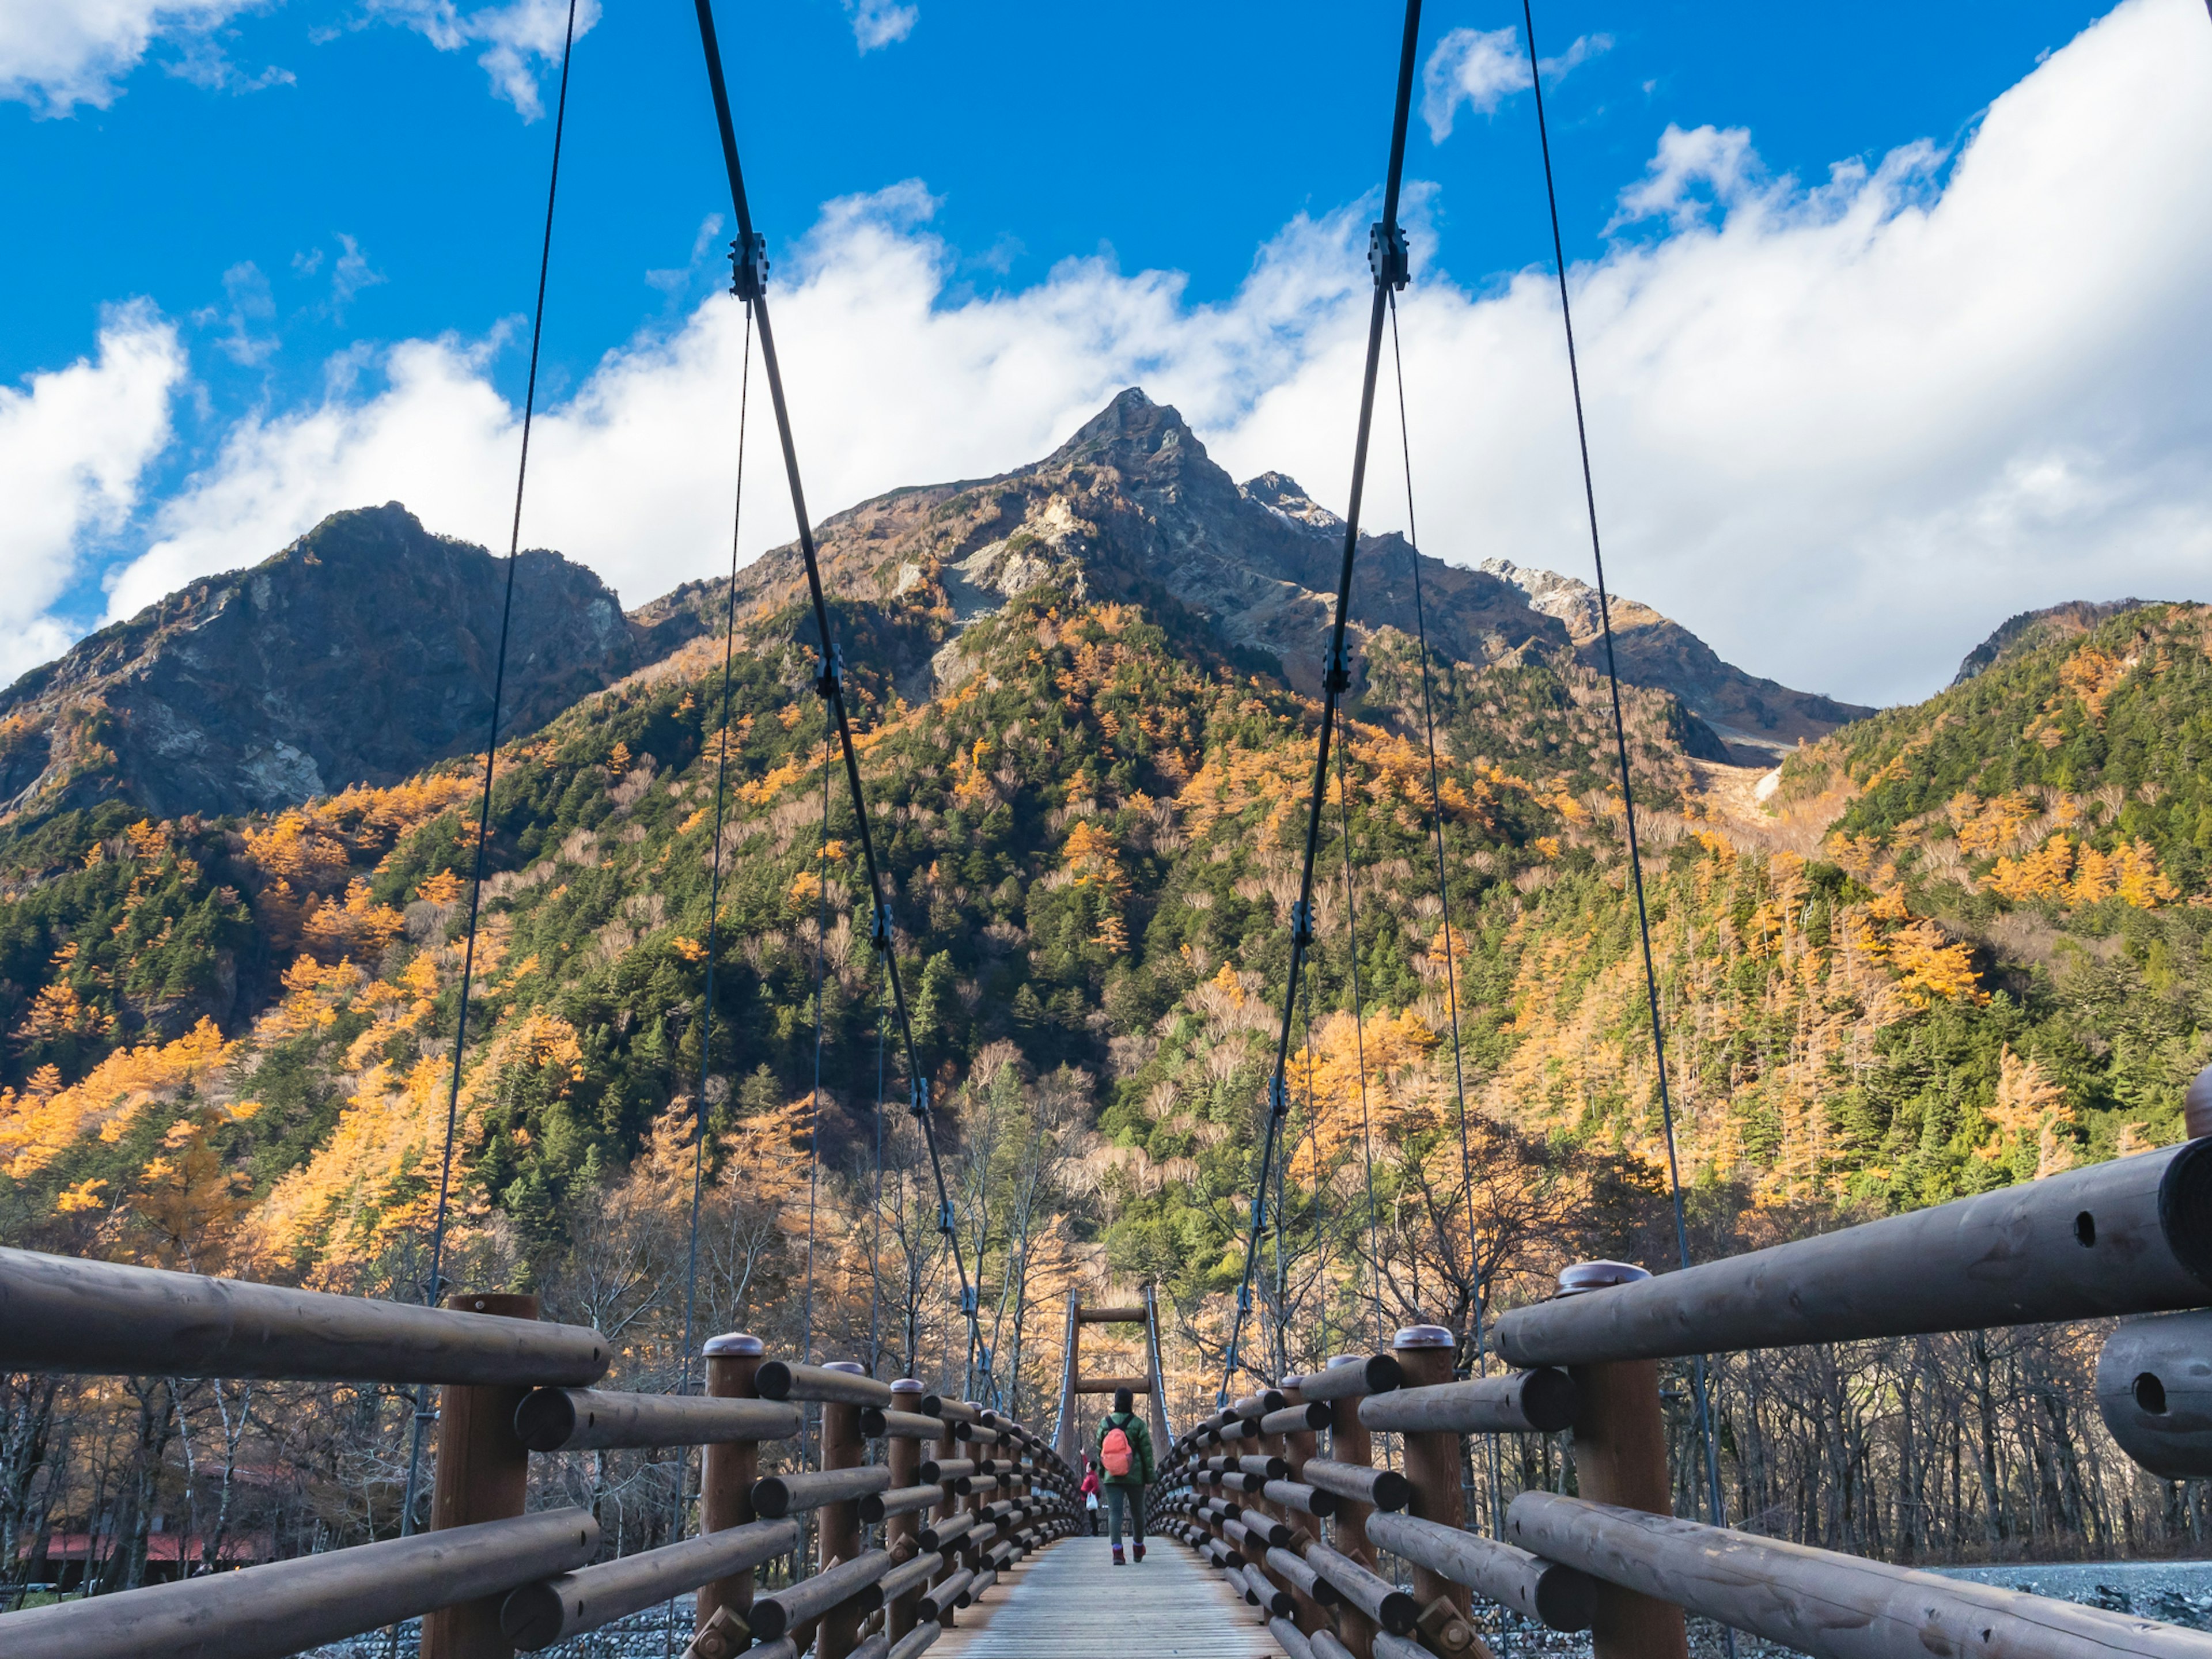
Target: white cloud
x,y
351,275
881,22
57,54
520,39
1722,161
73,447
1482,68
251,306
1841,431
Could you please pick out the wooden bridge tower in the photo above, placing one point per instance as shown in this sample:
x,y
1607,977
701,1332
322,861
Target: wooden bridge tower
x,y
1074,1436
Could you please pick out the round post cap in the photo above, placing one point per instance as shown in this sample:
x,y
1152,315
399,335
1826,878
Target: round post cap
x,y
1424,1336
910,1385
850,1367
1347,1359
743,1343
1585,1276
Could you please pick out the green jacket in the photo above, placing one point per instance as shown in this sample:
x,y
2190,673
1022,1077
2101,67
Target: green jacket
x,y
1140,1442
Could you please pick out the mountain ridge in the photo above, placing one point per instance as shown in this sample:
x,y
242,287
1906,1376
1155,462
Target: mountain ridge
x,y
364,651
361,653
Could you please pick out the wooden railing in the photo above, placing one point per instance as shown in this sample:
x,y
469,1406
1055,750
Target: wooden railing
x,y
487,1579
1298,1533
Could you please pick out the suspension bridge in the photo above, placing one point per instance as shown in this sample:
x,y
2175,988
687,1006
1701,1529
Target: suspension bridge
x,y
1350,1512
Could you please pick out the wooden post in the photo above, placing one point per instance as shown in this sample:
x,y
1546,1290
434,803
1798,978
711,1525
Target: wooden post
x,y
1294,1450
948,1448
1067,1434
727,1471
839,1524
1349,1443
1620,1457
971,1544
482,1474
904,1457
1424,1354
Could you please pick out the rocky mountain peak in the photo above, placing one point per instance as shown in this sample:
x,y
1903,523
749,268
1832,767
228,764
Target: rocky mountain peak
x,y
1132,432
360,653
1281,493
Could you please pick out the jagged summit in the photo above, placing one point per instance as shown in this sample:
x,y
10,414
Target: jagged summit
x,y
363,652
359,654
1281,493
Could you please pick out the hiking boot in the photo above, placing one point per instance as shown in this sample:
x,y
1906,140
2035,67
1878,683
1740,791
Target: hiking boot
x,y
1141,1551
1117,1555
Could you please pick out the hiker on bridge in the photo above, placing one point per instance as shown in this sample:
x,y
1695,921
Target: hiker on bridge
x,y
1089,1491
1125,1452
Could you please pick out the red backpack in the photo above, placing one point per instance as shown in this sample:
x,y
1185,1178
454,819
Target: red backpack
x,y
1115,1452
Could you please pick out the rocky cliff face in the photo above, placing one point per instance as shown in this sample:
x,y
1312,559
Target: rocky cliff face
x,y
365,651
359,654
1760,719
1132,507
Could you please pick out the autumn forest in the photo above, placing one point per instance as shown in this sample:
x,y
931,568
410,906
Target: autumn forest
x,y
1955,945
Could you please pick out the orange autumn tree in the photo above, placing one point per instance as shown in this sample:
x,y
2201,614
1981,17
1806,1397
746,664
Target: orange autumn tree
x,y
1396,1049
44,1121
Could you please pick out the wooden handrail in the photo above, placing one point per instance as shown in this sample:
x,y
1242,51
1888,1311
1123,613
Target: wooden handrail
x,y
1832,1606
1541,1401
62,1314
556,1608
593,1420
529,1573
2133,1236
269,1611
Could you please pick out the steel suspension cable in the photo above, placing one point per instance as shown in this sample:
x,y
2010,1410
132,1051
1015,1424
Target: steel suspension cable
x,y
1480,1329
1359,1046
1620,749
751,270
876,1245
814,1108
713,929
1320,1211
1436,814
1387,255
434,1282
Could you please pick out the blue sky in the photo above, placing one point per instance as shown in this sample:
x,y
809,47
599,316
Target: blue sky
x,y
289,250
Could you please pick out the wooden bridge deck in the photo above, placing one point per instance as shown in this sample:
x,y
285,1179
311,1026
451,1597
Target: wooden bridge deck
x,y
1070,1601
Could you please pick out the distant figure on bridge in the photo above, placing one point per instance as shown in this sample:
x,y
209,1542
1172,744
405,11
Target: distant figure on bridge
x,y
1125,1452
1090,1491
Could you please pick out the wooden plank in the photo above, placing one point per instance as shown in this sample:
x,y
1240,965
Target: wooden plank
x,y
1070,1601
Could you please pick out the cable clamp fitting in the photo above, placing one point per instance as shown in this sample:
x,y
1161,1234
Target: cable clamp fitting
x,y
918,1102
828,674
1388,256
968,1305
1278,1095
1338,676
1244,1297
749,267
945,1216
1302,927
879,930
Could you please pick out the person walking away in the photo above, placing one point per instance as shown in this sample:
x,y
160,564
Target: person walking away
x,y
1125,1452
1089,1489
